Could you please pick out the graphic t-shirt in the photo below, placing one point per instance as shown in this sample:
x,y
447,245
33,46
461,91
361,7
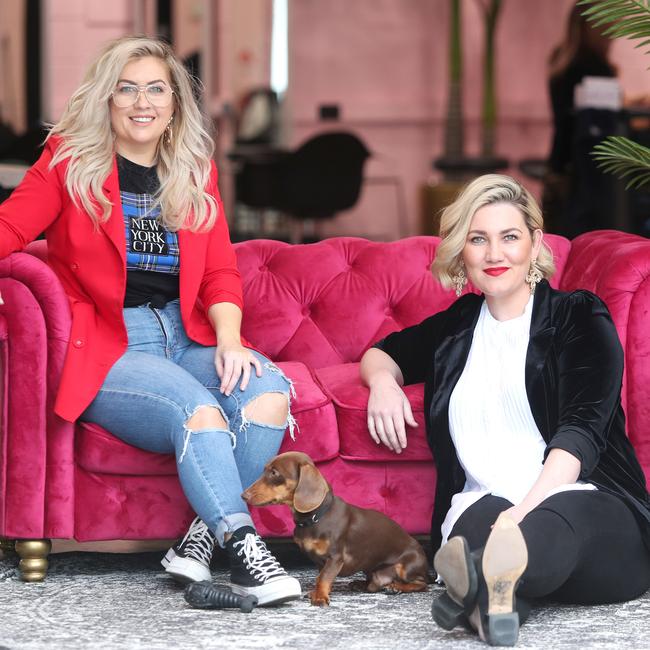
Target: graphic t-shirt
x,y
152,258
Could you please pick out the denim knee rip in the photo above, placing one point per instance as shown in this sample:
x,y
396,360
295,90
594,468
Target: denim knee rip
x,y
188,432
291,393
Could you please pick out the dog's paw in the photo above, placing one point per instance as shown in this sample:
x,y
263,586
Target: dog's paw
x,y
319,599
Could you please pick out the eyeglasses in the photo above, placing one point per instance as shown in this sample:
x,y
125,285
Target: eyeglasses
x,y
159,95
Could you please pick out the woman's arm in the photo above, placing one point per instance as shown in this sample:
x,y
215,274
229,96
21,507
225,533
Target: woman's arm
x,y
221,289
590,367
560,468
232,359
388,406
401,358
589,378
33,205
221,282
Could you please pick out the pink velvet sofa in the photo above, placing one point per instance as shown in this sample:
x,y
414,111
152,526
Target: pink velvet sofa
x,y
314,309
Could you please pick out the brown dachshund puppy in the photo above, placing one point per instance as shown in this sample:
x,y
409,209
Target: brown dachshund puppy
x,y
339,537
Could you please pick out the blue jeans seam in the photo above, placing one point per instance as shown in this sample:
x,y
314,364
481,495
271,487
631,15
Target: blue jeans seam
x,y
152,396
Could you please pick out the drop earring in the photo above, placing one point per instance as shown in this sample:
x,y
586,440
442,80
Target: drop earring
x,y
534,276
169,133
459,281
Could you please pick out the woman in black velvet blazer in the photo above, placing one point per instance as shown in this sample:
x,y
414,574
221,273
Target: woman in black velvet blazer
x,y
579,526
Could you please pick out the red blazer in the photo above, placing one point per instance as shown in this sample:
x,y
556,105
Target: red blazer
x,y
91,264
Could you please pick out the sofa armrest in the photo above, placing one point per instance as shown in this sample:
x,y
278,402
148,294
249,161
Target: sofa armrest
x,y
36,450
616,266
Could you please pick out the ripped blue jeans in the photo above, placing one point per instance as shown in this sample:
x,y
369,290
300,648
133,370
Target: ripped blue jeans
x,y
157,385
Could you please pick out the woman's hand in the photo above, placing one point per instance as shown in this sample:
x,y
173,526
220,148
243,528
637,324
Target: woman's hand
x,y
233,361
560,468
388,411
516,513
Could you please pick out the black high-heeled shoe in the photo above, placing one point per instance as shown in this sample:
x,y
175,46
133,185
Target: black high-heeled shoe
x,y
455,565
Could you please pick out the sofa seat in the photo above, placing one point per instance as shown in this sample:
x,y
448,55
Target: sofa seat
x,y
343,386
98,451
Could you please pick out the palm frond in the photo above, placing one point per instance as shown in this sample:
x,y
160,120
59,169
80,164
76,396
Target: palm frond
x,y
625,158
624,18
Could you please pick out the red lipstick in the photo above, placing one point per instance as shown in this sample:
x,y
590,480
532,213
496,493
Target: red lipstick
x,y
495,270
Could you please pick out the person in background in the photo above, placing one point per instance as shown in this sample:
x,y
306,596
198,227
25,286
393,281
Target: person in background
x,y
539,492
126,193
583,51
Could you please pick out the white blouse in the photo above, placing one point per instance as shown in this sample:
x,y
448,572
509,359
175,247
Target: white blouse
x,y
496,439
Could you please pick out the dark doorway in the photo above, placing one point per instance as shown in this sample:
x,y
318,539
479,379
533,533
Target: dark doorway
x,y
164,20
33,63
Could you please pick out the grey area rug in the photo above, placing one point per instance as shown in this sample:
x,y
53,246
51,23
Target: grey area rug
x,y
101,600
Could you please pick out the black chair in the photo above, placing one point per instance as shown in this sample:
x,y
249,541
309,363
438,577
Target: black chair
x,y
319,179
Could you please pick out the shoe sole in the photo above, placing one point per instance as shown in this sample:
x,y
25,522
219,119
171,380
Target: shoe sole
x,y
273,593
505,559
454,565
184,570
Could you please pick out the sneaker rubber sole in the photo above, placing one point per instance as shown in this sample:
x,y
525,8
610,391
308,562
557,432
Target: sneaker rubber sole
x,y
274,592
185,570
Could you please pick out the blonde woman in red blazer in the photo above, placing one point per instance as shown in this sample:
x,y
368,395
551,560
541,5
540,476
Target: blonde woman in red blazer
x,y
126,194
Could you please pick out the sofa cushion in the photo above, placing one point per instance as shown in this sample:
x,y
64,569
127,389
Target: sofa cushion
x,y
99,451
317,432
350,397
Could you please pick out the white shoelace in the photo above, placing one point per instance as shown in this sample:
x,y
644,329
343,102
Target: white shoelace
x,y
258,558
199,541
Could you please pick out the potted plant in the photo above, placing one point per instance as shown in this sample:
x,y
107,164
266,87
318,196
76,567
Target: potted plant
x,y
456,167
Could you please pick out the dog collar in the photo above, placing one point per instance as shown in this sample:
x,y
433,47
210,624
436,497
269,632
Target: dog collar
x,y
305,520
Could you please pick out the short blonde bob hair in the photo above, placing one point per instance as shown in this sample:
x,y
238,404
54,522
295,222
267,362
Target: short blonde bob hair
x,y
457,217
183,160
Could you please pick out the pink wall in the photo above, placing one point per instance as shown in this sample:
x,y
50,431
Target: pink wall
x,y
12,79
74,32
383,61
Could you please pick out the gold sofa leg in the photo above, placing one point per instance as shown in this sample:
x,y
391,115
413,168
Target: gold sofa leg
x,y
33,558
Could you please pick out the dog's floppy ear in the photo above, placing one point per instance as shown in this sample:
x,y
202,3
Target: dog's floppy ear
x,y
311,490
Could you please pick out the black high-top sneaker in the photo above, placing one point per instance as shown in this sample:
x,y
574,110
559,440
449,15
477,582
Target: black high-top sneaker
x,y
189,560
254,571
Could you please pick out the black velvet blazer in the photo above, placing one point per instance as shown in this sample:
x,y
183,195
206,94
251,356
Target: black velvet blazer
x,y
574,370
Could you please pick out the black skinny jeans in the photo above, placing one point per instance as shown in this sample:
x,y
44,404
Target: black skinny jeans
x,y
584,547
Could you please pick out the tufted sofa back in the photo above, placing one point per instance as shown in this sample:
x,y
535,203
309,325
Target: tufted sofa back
x,y
326,303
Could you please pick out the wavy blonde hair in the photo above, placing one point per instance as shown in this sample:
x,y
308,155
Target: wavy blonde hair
x,y
183,164
457,217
